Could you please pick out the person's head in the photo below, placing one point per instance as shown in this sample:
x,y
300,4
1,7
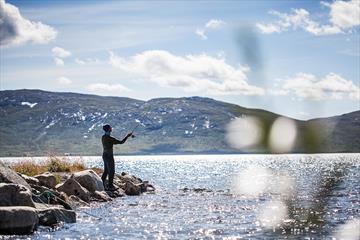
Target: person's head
x,y
107,128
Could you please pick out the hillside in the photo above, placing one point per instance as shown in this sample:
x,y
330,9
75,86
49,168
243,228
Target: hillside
x,y
35,122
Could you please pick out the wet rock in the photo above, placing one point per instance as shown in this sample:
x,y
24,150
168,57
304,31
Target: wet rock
x,y
150,188
7,175
196,190
89,180
101,196
132,185
72,187
40,206
55,215
132,189
47,179
18,220
15,195
118,183
76,202
124,177
117,193
51,197
30,180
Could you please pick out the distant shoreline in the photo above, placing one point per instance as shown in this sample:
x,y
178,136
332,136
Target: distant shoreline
x,y
183,154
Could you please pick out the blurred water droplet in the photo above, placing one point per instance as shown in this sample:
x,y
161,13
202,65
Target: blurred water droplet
x,y
282,135
244,132
272,214
251,182
349,231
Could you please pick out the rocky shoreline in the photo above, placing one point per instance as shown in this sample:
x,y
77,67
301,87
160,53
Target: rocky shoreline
x,y
43,200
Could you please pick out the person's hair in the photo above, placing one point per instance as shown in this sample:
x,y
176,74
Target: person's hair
x,y
106,127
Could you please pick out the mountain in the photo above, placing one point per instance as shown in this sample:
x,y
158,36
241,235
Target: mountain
x,y
35,122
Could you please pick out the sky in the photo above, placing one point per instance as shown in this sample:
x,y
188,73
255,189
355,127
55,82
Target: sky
x,y
296,58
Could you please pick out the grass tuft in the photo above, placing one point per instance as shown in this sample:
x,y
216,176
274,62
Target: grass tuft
x,y
52,164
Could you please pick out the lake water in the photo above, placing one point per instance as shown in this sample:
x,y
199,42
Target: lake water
x,y
228,197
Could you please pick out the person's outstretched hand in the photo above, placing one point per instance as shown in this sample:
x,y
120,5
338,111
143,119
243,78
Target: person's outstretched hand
x,y
129,135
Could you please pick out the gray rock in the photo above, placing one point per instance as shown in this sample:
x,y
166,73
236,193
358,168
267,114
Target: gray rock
x,y
7,175
124,177
101,196
18,220
30,180
76,202
47,179
72,187
15,195
55,215
132,188
117,193
40,206
89,180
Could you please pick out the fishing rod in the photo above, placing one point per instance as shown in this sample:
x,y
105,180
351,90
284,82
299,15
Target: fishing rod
x,y
132,131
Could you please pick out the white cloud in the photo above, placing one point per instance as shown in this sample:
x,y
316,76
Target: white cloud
x,y
16,30
298,18
214,24
343,16
278,92
211,24
331,86
192,73
59,62
64,81
201,34
88,61
269,28
60,52
107,89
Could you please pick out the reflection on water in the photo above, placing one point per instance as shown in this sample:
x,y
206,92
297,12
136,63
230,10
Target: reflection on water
x,y
229,197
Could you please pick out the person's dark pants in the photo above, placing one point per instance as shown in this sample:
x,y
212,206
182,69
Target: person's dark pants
x,y
109,168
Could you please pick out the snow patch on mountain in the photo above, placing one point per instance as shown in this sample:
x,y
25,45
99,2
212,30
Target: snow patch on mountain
x,y
31,105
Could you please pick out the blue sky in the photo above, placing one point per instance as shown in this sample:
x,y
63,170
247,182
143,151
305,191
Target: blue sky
x,y
297,58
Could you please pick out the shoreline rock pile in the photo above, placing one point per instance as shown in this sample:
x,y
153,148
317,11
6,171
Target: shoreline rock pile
x,y
27,202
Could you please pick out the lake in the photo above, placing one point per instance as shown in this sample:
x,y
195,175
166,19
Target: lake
x,y
227,197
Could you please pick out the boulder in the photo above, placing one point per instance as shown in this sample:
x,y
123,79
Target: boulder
x,y
76,202
101,196
124,177
43,195
89,180
55,215
15,195
132,188
40,206
72,187
30,180
117,193
47,179
18,220
7,175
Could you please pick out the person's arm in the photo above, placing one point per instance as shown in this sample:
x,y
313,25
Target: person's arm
x,y
116,141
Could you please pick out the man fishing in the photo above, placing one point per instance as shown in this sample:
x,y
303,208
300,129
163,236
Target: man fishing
x,y
108,156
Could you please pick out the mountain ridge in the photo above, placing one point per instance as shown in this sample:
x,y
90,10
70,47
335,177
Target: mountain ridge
x,y
67,122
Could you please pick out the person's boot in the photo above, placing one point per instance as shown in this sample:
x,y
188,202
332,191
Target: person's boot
x,y
112,188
